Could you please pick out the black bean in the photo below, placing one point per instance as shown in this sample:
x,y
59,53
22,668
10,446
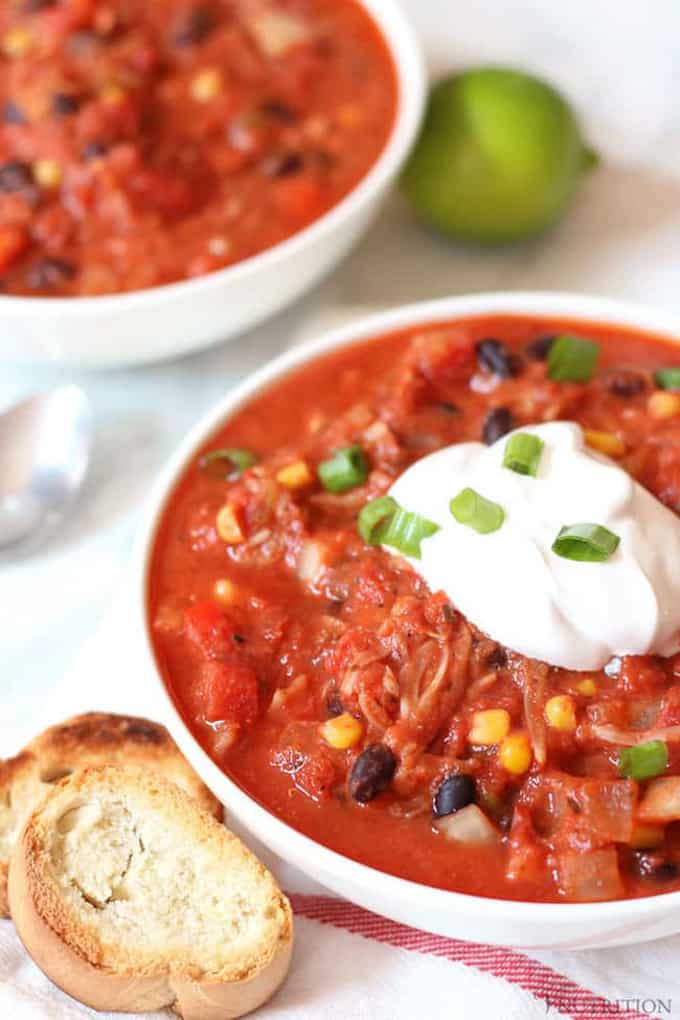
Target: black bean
x,y
324,160
625,382
454,793
495,357
65,103
447,407
93,150
12,114
498,658
16,176
278,111
50,272
32,6
334,705
539,348
282,164
371,772
497,423
198,24
655,866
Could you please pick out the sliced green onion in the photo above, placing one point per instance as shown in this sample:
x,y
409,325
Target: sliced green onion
x,y
572,359
478,513
523,453
667,378
405,531
346,469
588,543
644,760
373,515
384,522
227,464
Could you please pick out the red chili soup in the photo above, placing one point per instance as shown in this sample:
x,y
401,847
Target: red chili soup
x,y
147,142
321,673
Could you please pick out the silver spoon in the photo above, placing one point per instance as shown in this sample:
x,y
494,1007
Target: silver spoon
x,y
44,454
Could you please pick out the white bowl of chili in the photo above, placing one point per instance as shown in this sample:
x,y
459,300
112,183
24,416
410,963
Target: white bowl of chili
x,y
143,325
378,872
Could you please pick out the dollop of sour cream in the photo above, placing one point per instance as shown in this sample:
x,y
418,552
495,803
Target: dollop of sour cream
x,y
511,584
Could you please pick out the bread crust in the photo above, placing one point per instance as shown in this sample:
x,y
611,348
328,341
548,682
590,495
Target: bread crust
x,y
93,738
69,953
10,772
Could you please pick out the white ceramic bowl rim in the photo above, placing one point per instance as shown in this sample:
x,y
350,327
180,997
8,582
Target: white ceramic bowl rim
x,y
411,78
257,818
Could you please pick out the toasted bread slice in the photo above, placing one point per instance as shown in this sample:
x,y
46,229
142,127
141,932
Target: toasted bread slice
x,y
130,897
96,738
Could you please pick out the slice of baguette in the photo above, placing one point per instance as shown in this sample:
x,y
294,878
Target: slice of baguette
x,y
96,738
130,897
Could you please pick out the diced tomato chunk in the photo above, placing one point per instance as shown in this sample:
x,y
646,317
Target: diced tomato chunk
x,y
228,691
444,358
67,17
163,191
208,627
639,675
670,708
661,472
299,198
301,756
14,241
315,777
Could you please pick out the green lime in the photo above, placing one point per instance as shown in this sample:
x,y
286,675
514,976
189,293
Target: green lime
x,y
498,158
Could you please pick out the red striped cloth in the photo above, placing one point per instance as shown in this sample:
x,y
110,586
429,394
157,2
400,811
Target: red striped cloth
x,y
559,993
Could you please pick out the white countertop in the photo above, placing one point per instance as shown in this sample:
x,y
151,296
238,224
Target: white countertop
x,y
618,62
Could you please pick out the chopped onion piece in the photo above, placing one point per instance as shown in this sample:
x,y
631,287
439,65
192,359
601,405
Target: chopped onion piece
x,y
590,876
310,561
276,32
282,695
225,735
469,825
609,734
661,801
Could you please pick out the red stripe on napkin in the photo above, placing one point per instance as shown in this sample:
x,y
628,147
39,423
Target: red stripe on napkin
x,y
555,990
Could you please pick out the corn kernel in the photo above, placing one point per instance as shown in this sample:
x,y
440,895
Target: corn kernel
x,y
225,591
341,732
514,754
646,837
228,526
206,85
47,173
664,405
295,475
489,727
17,42
605,442
112,94
587,687
560,712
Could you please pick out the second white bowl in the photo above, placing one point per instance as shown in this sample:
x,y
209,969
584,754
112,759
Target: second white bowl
x,y
164,322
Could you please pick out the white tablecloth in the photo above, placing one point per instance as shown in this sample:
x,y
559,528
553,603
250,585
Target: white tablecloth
x,y
619,63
